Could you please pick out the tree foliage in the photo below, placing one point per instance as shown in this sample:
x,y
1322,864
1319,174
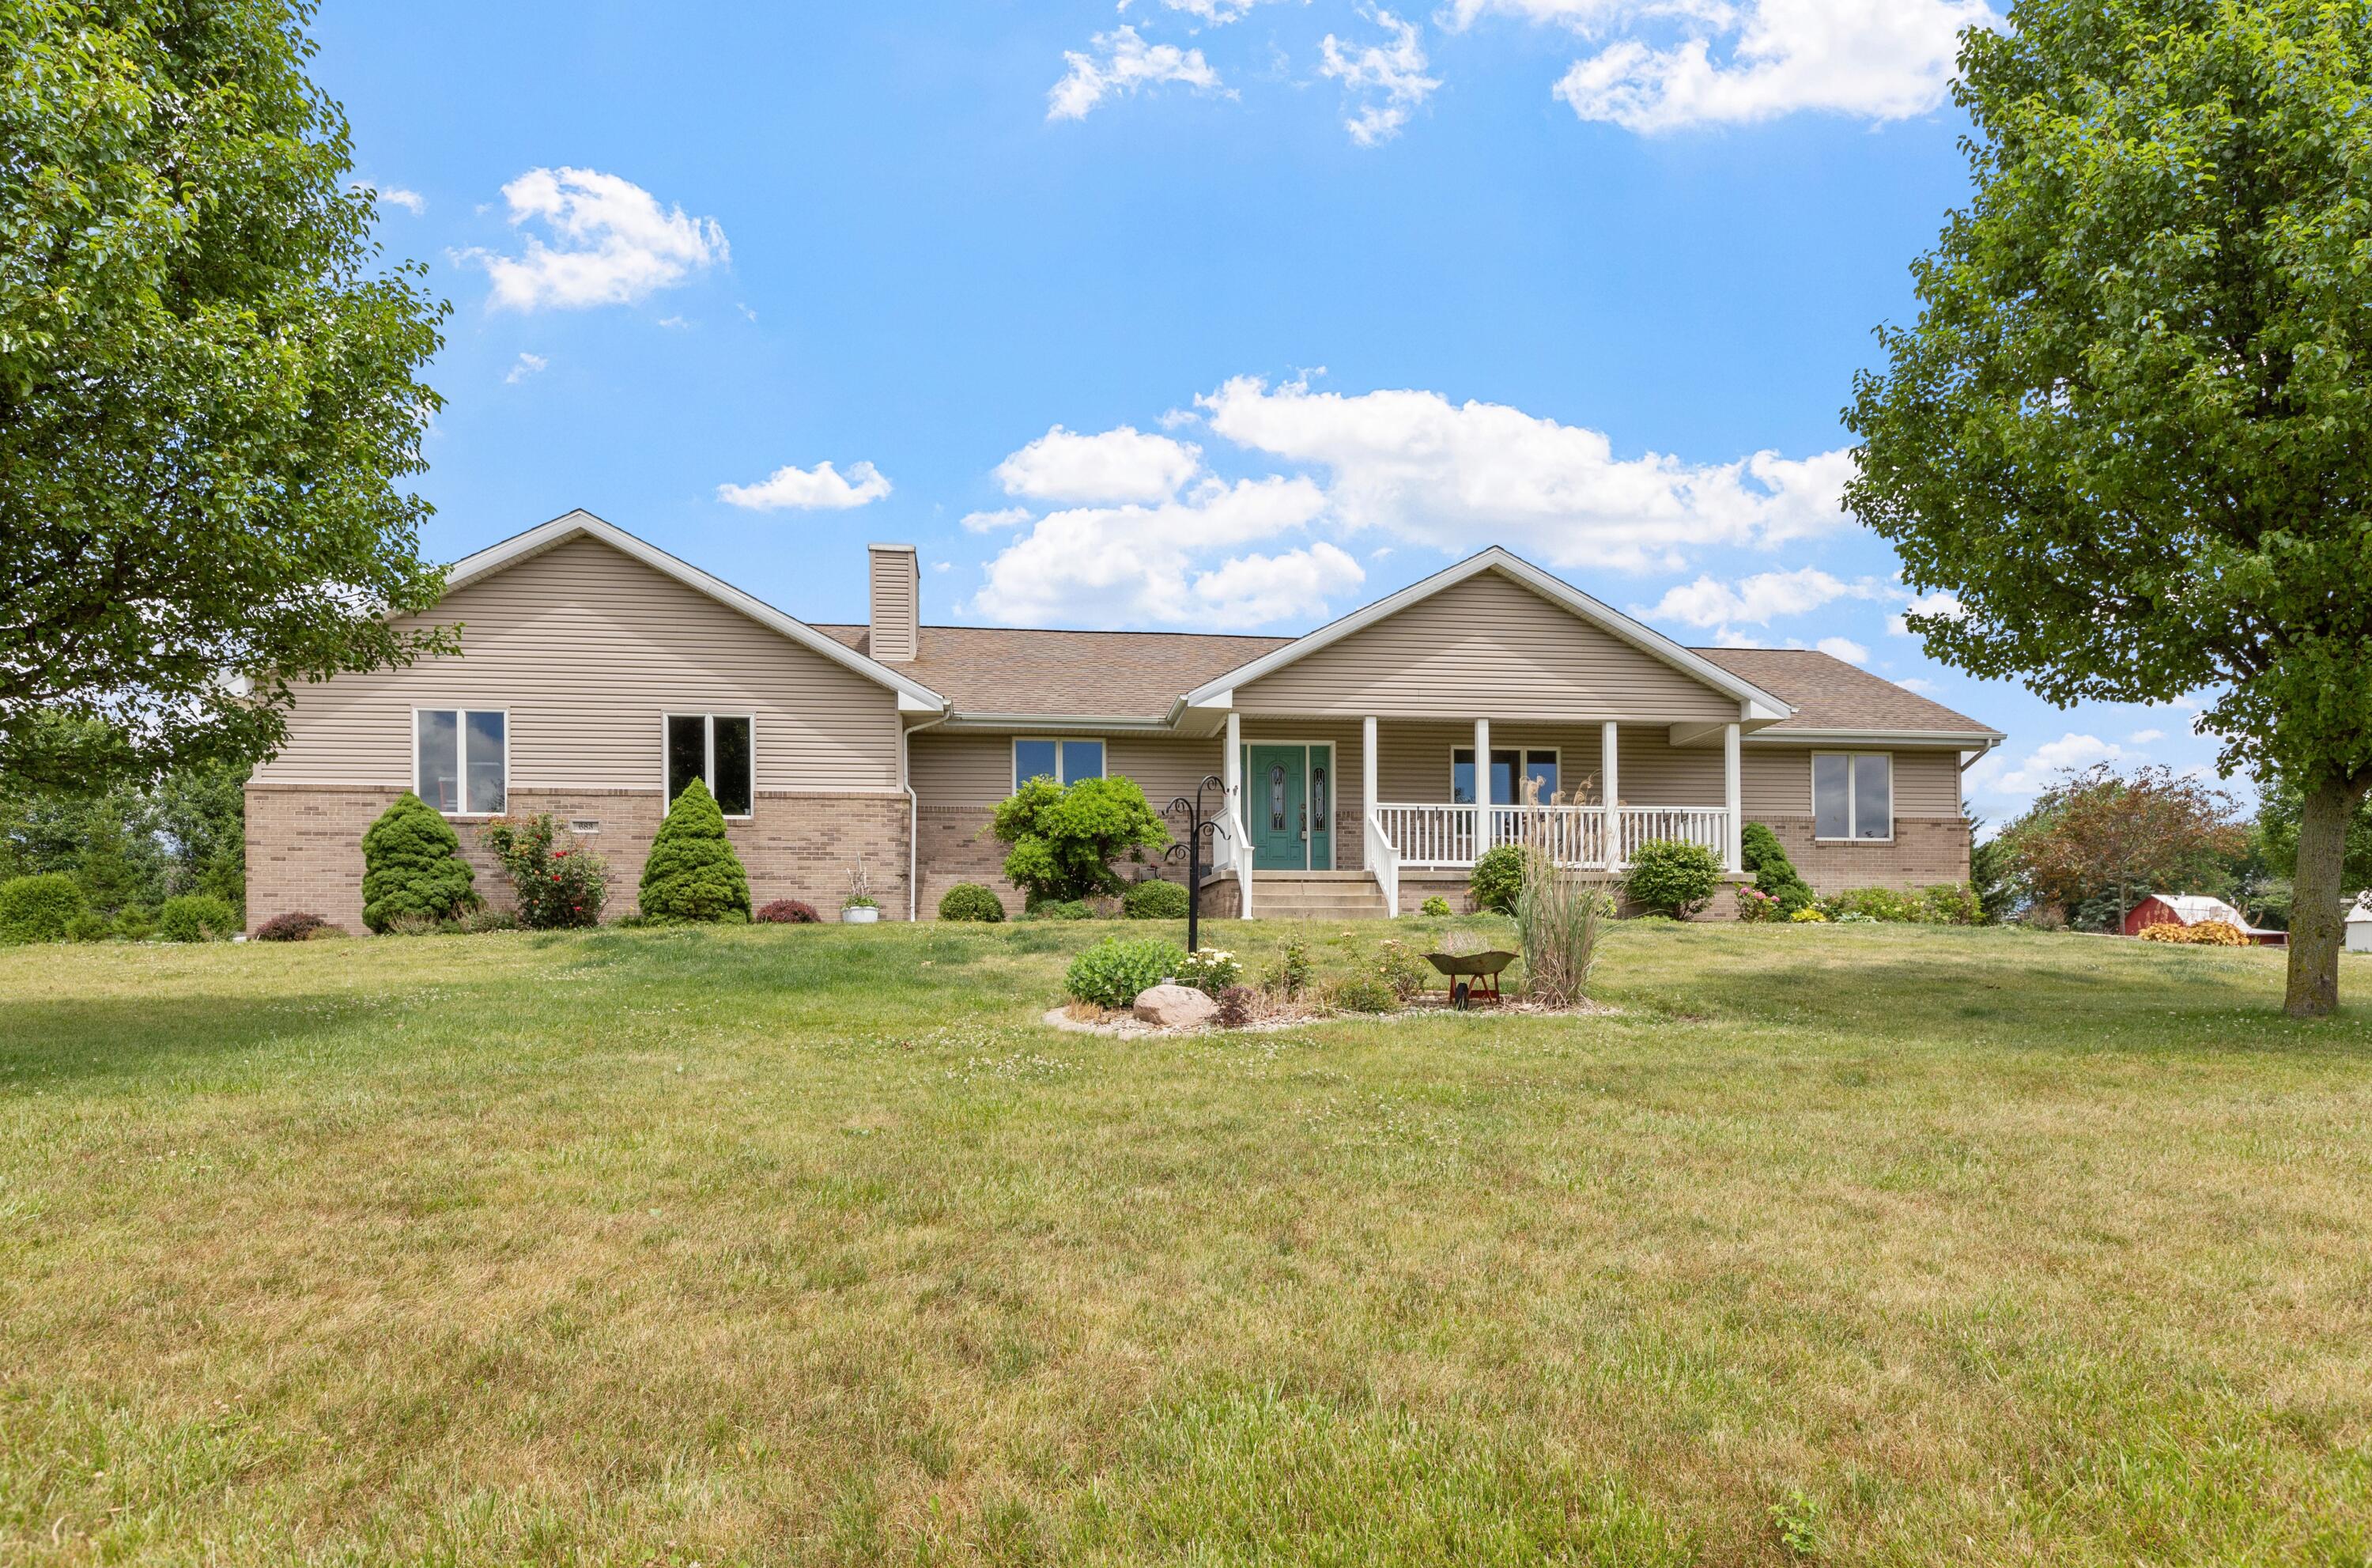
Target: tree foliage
x,y
207,389
692,873
131,844
2131,431
412,866
1065,839
2102,840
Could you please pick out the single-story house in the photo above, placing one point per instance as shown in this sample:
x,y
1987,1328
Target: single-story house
x,y
1365,764
2190,908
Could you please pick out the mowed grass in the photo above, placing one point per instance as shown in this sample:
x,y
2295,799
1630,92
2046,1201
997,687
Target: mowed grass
x,y
1858,1245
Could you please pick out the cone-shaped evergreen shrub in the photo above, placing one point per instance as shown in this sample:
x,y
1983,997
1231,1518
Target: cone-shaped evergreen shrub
x,y
1774,874
412,866
693,873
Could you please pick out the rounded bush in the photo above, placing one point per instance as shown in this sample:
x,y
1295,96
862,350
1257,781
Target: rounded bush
x,y
413,866
89,926
971,901
1115,970
1061,909
39,908
787,911
1362,994
195,917
1672,878
2217,933
1435,908
693,873
1498,879
294,926
1154,899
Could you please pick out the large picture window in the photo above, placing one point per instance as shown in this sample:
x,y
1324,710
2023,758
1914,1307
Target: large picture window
x,y
462,760
1065,761
717,749
1853,794
1506,766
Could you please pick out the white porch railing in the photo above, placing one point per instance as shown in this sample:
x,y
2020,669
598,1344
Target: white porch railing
x,y
1234,851
1440,838
1384,862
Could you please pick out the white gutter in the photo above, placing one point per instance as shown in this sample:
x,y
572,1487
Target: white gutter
x,y
913,817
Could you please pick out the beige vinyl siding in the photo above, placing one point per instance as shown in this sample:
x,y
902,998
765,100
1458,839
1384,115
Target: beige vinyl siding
x,y
587,647
896,603
1485,646
1777,781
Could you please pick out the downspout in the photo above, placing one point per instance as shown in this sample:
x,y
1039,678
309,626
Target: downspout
x,y
913,813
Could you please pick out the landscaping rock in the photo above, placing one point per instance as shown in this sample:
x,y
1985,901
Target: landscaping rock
x,y
1175,1006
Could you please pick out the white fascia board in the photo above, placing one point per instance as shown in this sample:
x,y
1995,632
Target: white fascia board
x,y
1758,703
1058,724
914,696
1955,739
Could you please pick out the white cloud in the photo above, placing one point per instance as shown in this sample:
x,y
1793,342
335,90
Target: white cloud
x,y
1844,648
1758,600
1920,684
1419,468
1943,605
996,521
411,202
1123,63
673,323
1756,60
819,488
1394,69
1124,464
1210,13
2043,766
1137,564
2146,737
610,243
524,366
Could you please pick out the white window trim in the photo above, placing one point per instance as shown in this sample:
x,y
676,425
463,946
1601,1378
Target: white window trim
x,y
461,756
1523,759
708,756
1013,755
1853,807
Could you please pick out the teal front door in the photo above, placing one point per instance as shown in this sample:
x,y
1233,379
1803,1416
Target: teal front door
x,y
1288,801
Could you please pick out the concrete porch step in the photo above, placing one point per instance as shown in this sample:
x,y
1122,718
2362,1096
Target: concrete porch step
x,y
1316,895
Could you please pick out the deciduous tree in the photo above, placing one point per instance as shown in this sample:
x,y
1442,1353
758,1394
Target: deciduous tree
x,y
2097,835
2131,431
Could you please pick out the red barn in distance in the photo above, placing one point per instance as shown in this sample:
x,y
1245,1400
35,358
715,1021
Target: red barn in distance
x,y
2190,908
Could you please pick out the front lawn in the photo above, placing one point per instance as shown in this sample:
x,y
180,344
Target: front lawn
x,y
810,1245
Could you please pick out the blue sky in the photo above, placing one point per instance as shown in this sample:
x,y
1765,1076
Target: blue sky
x,y
1201,314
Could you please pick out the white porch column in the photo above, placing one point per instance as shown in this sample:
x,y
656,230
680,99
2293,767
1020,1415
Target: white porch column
x,y
1366,789
1481,786
1610,766
1733,793
1232,771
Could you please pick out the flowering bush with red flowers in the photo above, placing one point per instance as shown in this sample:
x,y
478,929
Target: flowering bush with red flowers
x,y
558,882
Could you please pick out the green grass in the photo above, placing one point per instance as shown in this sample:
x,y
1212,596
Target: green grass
x,y
1856,1245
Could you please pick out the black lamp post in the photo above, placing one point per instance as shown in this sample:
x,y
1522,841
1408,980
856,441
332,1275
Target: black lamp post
x,y
1200,823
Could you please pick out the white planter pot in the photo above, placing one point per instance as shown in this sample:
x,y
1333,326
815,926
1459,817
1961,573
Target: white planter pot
x,y
862,914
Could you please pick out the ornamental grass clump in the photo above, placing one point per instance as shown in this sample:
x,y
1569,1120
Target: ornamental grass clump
x,y
692,875
1559,920
1116,970
412,868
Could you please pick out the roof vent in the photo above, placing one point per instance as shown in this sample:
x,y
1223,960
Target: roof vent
x,y
897,603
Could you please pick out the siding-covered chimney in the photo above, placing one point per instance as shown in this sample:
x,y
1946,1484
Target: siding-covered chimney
x,y
897,603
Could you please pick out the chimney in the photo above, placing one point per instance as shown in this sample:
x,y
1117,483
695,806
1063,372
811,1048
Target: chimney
x,y
897,603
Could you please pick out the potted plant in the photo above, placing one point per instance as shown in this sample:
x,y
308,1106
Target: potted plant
x,y
860,908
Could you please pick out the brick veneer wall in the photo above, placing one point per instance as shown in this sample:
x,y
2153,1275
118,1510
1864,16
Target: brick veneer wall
x,y
304,846
955,846
1923,851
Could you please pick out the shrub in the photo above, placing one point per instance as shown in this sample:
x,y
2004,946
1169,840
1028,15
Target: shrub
x,y
89,926
195,917
136,923
2216,933
693,873
557,883
1756,907
294,926
1402,970
2166,931
1498,879
1558,922
1774,875
1871,903
1362,994
1210,970
1672,878
790,911
1065,839
1289,975
1060,909
328,934
1238,1005
1154,899
39,908
1950,903
412,866
478,922
970,900
1114,971
1435,908
1809,917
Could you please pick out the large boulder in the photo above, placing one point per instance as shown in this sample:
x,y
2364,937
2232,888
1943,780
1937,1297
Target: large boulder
x,y
1175,1008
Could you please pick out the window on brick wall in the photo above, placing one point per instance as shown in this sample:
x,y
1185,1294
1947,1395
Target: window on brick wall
x,y
720,750
1853,794
462,760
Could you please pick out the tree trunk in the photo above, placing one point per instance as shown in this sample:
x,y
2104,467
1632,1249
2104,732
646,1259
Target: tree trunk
x,y
2316,921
